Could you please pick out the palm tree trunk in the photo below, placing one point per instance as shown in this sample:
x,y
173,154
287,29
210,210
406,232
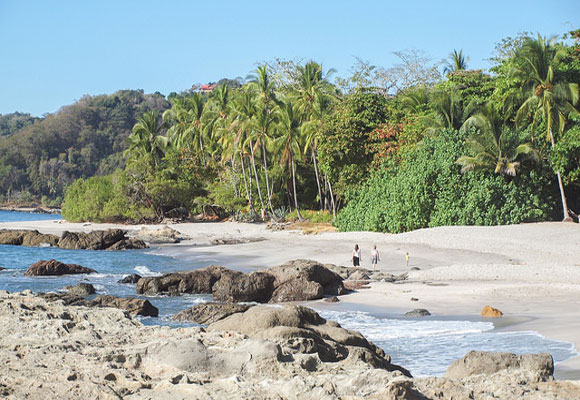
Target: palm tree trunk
x,y
256,176
267,180
567,217
317,177
248,192
201,147
250,185
331,198
294,189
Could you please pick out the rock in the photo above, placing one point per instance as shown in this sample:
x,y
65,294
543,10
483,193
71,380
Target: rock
x,y
490,312
414,299
539,366
359,275
298,289
332,299
222,241
299,280
418,312
415,269
311,271
81,289
27,238
161,235
132,305
130,279
2,269
207,313
54,267
200,281
355,285
112,239
386,277
238,287
301,329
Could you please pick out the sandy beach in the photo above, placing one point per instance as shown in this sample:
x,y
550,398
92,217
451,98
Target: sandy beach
x,y
531,272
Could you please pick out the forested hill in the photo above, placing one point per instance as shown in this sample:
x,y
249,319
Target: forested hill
x,y
40,157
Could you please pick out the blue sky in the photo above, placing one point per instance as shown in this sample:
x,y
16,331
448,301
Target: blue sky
x,y
54,52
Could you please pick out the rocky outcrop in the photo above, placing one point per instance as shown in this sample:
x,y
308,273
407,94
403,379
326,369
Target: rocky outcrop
x,y
490,312
540,367
199,282
130,304
222,241
207,313
54,267
56,351
81,289
27,238
112,239
298,280
417,312
130,279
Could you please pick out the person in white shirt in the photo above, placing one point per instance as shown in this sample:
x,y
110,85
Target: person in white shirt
x,y
375,257
356,256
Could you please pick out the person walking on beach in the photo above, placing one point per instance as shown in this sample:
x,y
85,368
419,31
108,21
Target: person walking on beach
x,y
356,256
375,256
407,259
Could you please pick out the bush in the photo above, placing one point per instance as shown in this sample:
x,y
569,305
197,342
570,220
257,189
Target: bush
x,y
430,191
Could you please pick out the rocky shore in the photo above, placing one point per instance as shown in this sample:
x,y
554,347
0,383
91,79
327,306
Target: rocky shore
x,y
263,352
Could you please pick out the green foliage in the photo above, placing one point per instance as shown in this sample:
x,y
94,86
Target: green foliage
x,y
10,123
223,194
430,191
310,215
565,156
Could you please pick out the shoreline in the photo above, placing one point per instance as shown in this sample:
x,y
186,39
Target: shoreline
x,y
529,271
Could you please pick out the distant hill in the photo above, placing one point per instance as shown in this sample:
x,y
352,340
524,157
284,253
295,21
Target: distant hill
x,y
40,157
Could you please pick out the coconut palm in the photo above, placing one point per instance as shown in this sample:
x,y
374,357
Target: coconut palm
x,y
456,62
494,146
146,140
289,141
548,96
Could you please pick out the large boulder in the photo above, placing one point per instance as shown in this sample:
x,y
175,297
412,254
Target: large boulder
x,y
130,279
207,313
27,238
158,236
297,289
132,305
112,239
237,287
301,330
81,289
200,281
54,267
311,271
539,366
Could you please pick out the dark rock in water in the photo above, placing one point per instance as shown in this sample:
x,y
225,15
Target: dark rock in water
x,y
540,367
112,239
54,267
297,289
332,299
299,329
236,286
130,279
311,271
200,281
2,269
27,238
132,305
81,289
294,281
207,313
418,312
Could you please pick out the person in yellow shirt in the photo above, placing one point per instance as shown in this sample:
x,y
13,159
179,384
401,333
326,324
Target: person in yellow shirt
x,y
407,259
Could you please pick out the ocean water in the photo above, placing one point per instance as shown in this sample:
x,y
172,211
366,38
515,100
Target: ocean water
x,y
425,346
11,216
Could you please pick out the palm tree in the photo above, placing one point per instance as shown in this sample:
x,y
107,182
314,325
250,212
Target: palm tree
x,y
289,122
146,140
457,62
493,145
548,96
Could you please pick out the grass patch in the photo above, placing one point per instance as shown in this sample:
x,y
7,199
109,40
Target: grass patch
x,y
315,217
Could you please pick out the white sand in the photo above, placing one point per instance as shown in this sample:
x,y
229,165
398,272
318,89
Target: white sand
x,y
529,271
